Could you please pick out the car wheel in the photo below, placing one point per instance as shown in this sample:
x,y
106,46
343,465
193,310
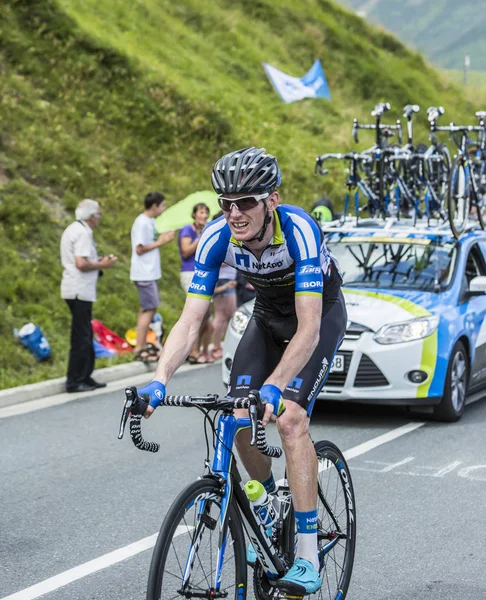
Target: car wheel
x,y
454,399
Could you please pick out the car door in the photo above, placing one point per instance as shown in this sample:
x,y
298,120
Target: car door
x,y
475,309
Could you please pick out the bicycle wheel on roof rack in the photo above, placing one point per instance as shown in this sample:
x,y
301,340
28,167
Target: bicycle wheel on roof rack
x,y
458,198
438,172
388,192
478,200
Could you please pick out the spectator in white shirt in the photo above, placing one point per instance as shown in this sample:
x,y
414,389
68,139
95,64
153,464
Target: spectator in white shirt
x,y
78,287
145,269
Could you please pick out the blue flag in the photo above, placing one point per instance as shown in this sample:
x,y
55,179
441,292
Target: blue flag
x,y
312,85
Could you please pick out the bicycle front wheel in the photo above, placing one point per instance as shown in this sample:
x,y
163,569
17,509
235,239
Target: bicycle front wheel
x,y
458,200
336,514
185,557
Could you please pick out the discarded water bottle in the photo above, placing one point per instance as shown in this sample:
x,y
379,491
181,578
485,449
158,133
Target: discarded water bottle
x,y
157,326
262,503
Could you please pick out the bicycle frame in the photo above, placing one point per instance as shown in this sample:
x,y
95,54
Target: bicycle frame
x,y
225,470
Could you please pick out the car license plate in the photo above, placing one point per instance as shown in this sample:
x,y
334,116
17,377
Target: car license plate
x,y
337,364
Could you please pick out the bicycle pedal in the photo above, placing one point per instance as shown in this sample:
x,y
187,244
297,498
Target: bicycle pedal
x,y
279,595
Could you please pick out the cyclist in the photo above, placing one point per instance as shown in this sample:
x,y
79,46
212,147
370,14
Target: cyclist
x,y
297,325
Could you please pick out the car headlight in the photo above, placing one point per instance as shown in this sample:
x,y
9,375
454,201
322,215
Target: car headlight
x,y
408,331
239,321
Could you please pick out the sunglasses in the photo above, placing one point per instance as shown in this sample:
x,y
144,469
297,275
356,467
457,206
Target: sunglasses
x,y
242,204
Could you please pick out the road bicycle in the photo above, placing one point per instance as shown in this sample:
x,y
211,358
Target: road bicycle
x,y
365,167
354,184
436,167
200,551
372,160
400,181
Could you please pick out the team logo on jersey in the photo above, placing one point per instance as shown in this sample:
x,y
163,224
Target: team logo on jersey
x,y
295,384
197,287
243,381
243,260
309,270
267,265
200,273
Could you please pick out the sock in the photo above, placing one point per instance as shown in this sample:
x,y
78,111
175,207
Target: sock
x,y
269,485
307,537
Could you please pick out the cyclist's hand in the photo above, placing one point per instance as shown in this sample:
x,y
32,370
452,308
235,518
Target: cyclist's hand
x,y
153,394
275,404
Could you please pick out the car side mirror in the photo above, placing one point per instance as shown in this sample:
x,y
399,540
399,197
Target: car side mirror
x,y
477,285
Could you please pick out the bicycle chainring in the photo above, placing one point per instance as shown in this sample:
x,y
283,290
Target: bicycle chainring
x,y
261,586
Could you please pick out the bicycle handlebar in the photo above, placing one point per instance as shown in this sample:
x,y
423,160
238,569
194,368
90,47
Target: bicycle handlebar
x,y
320,160
375,126
135,407
456,128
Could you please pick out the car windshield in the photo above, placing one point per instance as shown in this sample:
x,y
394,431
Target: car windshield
x,y
391,263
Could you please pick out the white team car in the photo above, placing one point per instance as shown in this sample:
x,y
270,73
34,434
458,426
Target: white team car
x,y
416,333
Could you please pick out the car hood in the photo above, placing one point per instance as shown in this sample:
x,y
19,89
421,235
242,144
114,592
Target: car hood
x,y
375,308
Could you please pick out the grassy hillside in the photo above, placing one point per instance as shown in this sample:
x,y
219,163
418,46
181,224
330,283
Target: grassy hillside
x,y
444,30
112,99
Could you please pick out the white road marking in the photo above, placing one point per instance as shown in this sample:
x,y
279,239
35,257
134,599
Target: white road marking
x,y
389,436
107,560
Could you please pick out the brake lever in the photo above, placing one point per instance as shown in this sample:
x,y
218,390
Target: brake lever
x,y
256,411
133,405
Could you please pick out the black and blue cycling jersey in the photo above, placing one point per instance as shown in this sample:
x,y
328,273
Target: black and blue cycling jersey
x,y
296,262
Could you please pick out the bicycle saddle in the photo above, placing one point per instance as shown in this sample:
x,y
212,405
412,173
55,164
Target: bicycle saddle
x,y
380,108
410,109
434,112
481,114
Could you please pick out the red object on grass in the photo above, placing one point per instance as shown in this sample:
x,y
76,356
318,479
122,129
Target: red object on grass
x,y
109,339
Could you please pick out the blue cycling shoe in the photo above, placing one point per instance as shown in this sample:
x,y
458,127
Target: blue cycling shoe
x,y
302,578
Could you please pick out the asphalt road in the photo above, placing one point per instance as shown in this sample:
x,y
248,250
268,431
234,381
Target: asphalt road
x,y
75,500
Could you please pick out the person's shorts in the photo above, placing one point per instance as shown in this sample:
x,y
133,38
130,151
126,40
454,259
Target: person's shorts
x,y
148,292
227,292
186,279
265,340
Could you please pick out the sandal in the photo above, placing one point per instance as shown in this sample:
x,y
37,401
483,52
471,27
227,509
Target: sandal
x,y
191,359
209,358
145,356
217,353
153,350
201,359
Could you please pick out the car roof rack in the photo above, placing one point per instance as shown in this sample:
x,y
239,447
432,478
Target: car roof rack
x,y
393,225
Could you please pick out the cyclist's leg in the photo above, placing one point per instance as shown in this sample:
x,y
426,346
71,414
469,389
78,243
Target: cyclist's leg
x,y
255,357
299,451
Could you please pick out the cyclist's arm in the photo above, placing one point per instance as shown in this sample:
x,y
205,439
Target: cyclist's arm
x,y
209,256
182,337
305,240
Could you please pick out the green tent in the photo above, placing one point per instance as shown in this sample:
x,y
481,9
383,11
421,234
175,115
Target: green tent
x,y
180,214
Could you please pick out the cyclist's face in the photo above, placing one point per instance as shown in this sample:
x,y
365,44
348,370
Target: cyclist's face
x,y
246,223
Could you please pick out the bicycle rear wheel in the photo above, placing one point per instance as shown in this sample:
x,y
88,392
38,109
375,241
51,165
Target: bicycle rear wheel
x,y
186,553
458,200
479,197
336,513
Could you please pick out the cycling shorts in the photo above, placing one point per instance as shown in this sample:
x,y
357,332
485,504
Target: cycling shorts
x,y
265,340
